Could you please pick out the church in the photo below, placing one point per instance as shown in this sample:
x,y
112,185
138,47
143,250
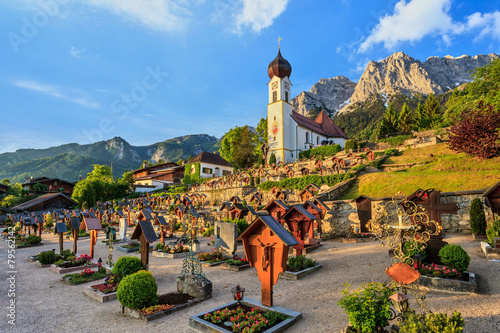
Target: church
x,y
289,132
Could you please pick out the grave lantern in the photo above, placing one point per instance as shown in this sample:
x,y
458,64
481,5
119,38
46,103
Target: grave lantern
x,y
238,293
93,225
99,264
400,302
266,245
145,233
418,259
60,229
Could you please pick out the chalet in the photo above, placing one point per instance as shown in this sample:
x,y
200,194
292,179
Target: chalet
x,y
211,165
51,184
45,202
157,177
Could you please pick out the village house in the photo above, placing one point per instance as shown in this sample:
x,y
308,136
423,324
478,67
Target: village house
x,y
157,177
211,165
50,185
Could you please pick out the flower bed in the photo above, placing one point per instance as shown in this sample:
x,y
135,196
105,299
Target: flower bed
x,y
65,266
298,267
130,247
85,276
236,264
167,304
216,257
31,240
490,252
467,283
250,314
103,292
179,248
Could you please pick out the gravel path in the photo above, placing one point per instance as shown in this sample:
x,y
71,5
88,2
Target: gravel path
x,y
45,304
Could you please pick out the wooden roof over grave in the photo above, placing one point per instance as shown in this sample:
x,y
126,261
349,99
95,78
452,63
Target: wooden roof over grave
x,y
144,213
312,204
491,189
75,223
27,221
160,220
194,212
275,227
226,206
91,223
305,190
277,203
313,187
239,207
60,227
145,228
299,208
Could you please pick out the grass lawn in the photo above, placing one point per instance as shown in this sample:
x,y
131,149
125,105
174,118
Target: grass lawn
x,y
445,170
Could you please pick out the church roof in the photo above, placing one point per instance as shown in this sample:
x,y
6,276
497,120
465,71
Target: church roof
x,y
279,67
322,125
210,159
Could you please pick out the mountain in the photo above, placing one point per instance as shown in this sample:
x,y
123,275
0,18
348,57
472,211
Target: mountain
x,y
69,161
328,94
401,74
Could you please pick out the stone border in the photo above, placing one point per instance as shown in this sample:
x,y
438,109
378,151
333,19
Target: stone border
x,y
124,249
357,239
99,296
67,280
171,255
442,284
30,245
135,314
207,264
235,268
60,270
287,275
489,252
39,264
198,323
117,241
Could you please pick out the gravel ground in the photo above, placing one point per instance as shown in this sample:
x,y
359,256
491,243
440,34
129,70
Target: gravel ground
x,y
45,304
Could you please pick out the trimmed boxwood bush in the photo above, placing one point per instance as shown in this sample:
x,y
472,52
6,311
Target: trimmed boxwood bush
x,y
455,256
138,290
477,217
125,266
47,257
299,263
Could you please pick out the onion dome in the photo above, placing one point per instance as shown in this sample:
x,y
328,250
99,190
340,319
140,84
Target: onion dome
x,y
279,67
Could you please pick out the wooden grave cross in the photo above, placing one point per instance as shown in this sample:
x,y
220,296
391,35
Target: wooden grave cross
x,y
75,228
145,233
60,229
93,225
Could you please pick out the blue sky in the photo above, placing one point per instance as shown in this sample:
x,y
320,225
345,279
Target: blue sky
x,y
88,70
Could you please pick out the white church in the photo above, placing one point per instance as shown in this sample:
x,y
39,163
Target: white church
x,y
289,132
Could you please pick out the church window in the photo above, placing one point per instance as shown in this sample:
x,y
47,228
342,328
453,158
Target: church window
x,y
275,96
317,141
307,137
286,96
274,117
274,138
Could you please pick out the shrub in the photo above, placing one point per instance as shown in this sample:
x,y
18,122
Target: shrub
x,y
431,322
272,159
301,182
396,140
298,263
477,217
350,144
33,239
67,253
368,308
413,248
493,231
455,257
47,257
209,232
321,151
242,224
138,290
60,262
125,266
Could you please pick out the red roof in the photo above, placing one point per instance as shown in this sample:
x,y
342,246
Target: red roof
x,y
322,124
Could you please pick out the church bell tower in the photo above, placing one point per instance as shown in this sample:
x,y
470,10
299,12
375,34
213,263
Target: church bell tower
x,y
281,135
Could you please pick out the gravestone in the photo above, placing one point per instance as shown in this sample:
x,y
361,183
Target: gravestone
x,y
123,229
225,234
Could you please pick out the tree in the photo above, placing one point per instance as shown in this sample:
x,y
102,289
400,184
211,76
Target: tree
x,y
160,161
432,111
477,217
180,161
5,182
420,120
484,87
272,159
260,137
477,132
405,120
244,153
389,124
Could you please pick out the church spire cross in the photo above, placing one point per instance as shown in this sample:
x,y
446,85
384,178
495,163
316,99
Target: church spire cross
x,y
279,41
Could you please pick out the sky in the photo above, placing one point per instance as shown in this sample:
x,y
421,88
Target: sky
x,y
89,70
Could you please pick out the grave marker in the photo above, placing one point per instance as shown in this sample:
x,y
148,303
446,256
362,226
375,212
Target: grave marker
x,y
93,225
145,233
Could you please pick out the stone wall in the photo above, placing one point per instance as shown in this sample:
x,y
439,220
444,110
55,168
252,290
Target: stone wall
x,y
335,192
343,213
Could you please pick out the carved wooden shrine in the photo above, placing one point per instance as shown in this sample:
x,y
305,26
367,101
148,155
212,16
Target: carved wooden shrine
x,y
305,194
144,215
276,209
163,228
60,229
317,212
93,225
75,228
300,223
266,245
145,233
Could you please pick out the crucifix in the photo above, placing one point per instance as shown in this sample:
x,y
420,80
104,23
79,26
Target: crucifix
x,y
279,41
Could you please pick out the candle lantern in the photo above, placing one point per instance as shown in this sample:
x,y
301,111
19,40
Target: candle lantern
x,y
238,293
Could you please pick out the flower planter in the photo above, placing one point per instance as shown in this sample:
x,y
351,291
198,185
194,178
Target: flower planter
x,y
136,314
30,245
60,270
198,323
465,285
170,255
287,275
489,252
235,268
99,296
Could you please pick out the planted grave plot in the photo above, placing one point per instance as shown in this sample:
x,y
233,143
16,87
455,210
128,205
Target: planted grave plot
x,y
171,252
236,264
72,264
85,276
103,292
132,246
214,258
299,266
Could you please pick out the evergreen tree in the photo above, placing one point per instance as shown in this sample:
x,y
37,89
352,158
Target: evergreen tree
x,y
405,120
244,152
432,111
389,124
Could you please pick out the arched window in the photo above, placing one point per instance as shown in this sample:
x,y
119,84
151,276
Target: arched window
x,y
275,96
307,137
317,141
286,96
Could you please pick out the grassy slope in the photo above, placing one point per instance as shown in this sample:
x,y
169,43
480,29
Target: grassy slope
x,y
445,171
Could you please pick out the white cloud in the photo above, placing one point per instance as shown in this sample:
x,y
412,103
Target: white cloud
x,y
74,52
416,19
259,14
411,22
55,92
